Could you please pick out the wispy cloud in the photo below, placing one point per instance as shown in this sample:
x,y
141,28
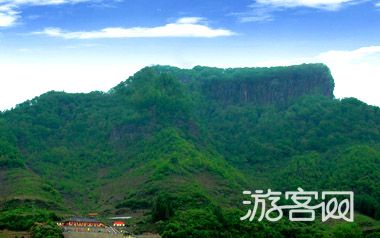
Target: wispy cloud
x,y
8,15
10,9
330,5
183,27
344,56
263,10
257,13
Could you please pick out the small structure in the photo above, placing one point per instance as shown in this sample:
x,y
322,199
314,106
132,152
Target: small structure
x,y
83,222
118,224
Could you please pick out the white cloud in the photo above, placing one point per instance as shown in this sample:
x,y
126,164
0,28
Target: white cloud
x,y
190,20
9,9
263,10
183,27
356,73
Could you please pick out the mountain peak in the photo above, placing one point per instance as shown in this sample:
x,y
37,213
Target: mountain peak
x,y
260,85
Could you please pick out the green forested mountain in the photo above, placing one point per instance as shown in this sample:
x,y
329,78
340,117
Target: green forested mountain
x,y
176,145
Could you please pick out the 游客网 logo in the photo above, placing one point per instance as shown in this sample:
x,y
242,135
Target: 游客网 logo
x,y
299,205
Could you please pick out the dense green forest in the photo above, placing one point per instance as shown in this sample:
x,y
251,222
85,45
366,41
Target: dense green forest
x,y
178,147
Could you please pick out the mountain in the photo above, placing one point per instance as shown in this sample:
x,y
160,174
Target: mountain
x,y
172,144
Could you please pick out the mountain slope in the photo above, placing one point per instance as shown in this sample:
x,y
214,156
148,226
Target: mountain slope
x,y
193,138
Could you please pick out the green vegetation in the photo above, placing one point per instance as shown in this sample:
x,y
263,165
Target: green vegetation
x,y
180,145
46,230
215,222
22,219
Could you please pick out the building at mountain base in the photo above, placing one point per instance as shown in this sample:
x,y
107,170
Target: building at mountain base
x,y
82,222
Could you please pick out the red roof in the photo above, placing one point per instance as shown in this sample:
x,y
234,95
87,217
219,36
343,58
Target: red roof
x,y
118,223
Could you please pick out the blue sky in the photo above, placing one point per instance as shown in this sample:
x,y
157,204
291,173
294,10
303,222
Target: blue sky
x,y
85,45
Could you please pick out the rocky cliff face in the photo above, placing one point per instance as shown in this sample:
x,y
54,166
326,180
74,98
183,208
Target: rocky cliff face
x,y
283,85
276,85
